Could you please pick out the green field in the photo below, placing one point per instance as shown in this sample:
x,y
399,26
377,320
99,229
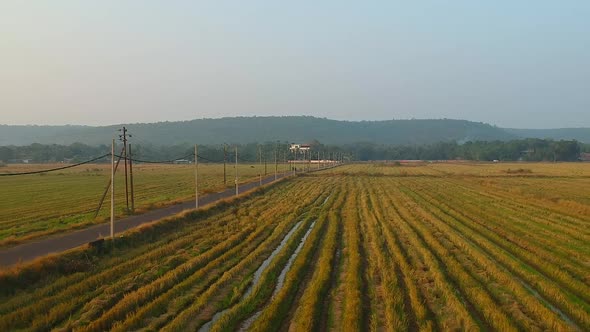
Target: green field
x,y
42,204
357,248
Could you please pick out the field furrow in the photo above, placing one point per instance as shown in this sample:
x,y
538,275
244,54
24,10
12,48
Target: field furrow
x,y
369,247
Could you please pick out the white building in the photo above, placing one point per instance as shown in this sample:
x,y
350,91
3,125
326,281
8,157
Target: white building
x,y
301,148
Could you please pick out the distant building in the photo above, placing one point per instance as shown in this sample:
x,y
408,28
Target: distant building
x,y
182,161
301,148
585,156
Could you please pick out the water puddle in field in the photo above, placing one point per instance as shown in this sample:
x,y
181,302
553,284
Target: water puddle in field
x,y
287,267
207,326
256,278
267,261
549,305
281,279
258,274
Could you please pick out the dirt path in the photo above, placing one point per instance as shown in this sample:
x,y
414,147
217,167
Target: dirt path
x,y
61,242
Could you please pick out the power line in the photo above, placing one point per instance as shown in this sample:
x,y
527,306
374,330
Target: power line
x,y
210,160
55,169
171,160
155,161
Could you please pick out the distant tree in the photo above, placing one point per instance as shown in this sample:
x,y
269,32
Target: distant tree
x,y
566,150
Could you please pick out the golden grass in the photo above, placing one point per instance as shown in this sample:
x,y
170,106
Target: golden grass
x,y
476,249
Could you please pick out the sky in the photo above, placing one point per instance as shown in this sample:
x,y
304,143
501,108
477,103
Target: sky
x,y
520,64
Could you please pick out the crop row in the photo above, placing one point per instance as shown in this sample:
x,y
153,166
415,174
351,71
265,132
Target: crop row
x,y
116,292
337,252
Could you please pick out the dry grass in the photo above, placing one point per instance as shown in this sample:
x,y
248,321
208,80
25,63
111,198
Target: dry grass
x,y
444,247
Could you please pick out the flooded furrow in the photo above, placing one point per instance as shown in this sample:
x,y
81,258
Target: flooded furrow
x,y
282,276
258,274
206,327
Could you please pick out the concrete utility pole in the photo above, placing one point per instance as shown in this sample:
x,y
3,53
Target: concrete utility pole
x,y
318,160
237,187
108,187
260,164
123,138
304,161
131,180
286,165
196,177
224,159
294,162
276,160
113,190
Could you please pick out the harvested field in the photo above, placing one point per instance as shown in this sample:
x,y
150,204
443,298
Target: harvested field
x,y
357,248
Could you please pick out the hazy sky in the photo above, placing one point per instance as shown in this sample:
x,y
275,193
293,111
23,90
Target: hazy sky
x,y
511,63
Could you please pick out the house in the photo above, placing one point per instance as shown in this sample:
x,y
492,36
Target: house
x,y
585,156
301,148
182,161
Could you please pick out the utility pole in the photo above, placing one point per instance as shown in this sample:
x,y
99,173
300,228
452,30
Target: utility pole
x,y
123,138
237,187
303,161
260,164
196,178
131,180
286,167
224,159
113,190
276,165
294,165
106,190
318,160
265,168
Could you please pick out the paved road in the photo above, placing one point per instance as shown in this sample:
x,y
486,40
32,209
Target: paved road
x,y
58,243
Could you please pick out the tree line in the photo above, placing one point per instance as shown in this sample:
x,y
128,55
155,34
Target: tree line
x,y
525,150
530,149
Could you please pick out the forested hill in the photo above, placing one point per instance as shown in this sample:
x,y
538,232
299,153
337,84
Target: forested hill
x,y
262,129
289,128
